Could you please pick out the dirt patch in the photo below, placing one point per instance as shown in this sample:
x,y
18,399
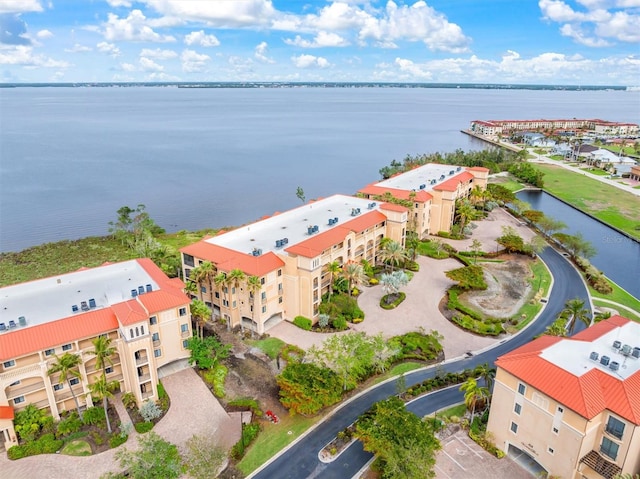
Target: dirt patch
x,y
507,290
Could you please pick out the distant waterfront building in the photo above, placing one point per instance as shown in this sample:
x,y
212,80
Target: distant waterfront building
x,y
433,189
635,173
572,405
288,253
145,313
497,128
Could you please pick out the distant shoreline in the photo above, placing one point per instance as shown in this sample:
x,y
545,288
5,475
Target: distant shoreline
x,y
481,86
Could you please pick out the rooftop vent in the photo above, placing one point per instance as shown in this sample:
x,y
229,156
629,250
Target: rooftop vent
x,y
604,360
258,251
458,168
636,353
626,350
74,308
149,288
332,221
140,289
451,172
3,327
422,187
92,303
593,356
355,211
617,344
12,324
134,293
614,366
433,182
372,205
22,321
312,229
442,177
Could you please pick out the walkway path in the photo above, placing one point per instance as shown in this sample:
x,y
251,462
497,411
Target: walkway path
x,y
193,410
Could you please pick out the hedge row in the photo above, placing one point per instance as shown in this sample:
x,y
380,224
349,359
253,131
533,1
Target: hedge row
x,y
46,444
478,327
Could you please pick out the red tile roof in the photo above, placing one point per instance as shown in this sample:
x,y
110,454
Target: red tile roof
x,y
452,183
24,341
315,245
421,196
478,168
6,412
588,394
226,259
393,207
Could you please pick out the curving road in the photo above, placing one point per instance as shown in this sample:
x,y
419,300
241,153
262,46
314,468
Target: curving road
x,y
301,459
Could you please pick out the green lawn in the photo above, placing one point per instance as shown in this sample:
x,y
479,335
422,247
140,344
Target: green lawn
x,y
620,296
270,346
428,248
613,206
596,171
273,439
627,313
77,448
457,411
508,181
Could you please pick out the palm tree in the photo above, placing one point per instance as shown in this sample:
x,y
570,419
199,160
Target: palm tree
x,y
103,389
103,351
205,272
66,365
201,313
487,374
393,253
221,283
235,277
474,395
254,285
354,274
577,312
191,288
464,213
333,269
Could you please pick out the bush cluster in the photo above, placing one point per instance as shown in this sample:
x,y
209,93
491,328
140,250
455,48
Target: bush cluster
x,y
46,444
250,403
302,323
400,298
341,305
216,377
441,381
249,433
292,353
143,427
487,328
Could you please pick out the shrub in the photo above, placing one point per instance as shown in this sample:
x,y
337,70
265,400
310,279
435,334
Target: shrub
x,y
94,416
46,444
150,411
292,353
383,301
70,424
249,433
117,439
357,320
143,427
247,402
129,400
489,328
216,377
302,323
97,438
339,323
373,281
30,421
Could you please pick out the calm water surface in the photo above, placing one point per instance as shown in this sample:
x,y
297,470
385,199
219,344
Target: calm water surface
x,y
70,157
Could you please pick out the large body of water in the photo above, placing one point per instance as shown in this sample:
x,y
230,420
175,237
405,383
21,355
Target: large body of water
x,y
616,255
70,157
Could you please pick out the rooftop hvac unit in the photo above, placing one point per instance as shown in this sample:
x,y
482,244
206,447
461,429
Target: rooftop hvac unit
x,y
285,240
12,324
617,344
140,289
92,301
335,220
593,356
442,177
330,222
22,321
422,187
257,251
433,182
149,288
604,360
316,228
3,327
636,353
458,168
310,230
626,350
134,293
74,308
614,366
278,243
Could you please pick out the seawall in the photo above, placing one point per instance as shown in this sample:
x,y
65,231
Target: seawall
x,y
491,142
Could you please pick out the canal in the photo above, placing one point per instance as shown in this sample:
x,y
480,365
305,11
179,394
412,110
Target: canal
x,y
617,255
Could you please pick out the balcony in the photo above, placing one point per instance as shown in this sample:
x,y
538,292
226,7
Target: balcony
x,y
24,390
600,465
156,343
184,334
142,378
142,360
66,394
615,433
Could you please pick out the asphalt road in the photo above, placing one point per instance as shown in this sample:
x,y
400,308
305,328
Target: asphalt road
x,y
301,460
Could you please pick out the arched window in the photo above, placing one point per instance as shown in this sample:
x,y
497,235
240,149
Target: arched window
x,y
142,330
137,332
131,333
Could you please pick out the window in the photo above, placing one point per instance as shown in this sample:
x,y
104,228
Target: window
x,y
155,337
58,387
264,309
18,400
514,428
279,272
184,328
137,331
280,300
185,343
203,289
233,290
262,280
15,383
153,320
550,450
225,289
521,389
183,311
555,430
609,448
187,273
108,369
188,259
142,329
517,409
131,333
9,364
49,352
263,295
66,347
157,353
615,427
217,294
74,381
225,302
560,410
280,287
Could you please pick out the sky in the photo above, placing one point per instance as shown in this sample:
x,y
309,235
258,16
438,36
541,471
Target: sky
x,y
567,42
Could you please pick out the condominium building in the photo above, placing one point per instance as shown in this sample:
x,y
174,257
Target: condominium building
x,y
496,128
572,405
145,313
289,253
432,191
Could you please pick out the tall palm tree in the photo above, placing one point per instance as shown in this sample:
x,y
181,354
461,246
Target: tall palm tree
x,y
103,351
222,283
67,365
254,285
487,374
205,272
577,312
394,253
333,269
191,288
354,274
474,395
464,213
235,278
200,312
103,389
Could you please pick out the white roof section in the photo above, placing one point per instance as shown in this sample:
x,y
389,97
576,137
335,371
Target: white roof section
x,y
294,224
575,356
424,177
53,298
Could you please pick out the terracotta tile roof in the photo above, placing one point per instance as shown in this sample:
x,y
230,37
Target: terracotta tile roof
x,y
421,196
393,207
478,168
588,394
129,312
452,183
315,245
226,259
6,412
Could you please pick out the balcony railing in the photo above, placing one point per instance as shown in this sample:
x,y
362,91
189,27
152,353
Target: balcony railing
x,y
599,464
185,334
147,394
21,391
156,343
144,377
614,433
142,360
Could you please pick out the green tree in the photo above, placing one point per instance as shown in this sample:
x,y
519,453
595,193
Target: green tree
x,y
67,365
102,389
476,248
191,289
510,240
354,274
222,283
155,458
234,279
468,277
391,284
103,351
576,245
306,388
392,253
548,225
30,421
475,396
254,285
204,273
300,194
464,213
576,311
204,458
487,374
333,269
500,193
201,313
207,352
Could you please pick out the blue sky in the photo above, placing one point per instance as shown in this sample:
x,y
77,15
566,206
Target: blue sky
x,y
584,42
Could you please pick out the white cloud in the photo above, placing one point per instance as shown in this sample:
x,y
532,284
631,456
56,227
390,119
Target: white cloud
x,y
44,34
310,61
133,28
128,67
322,39
261,53
77,48
23,55
119,3
18,6
202,39
218,13
108,48
193,62
568,30
148,65
158,54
